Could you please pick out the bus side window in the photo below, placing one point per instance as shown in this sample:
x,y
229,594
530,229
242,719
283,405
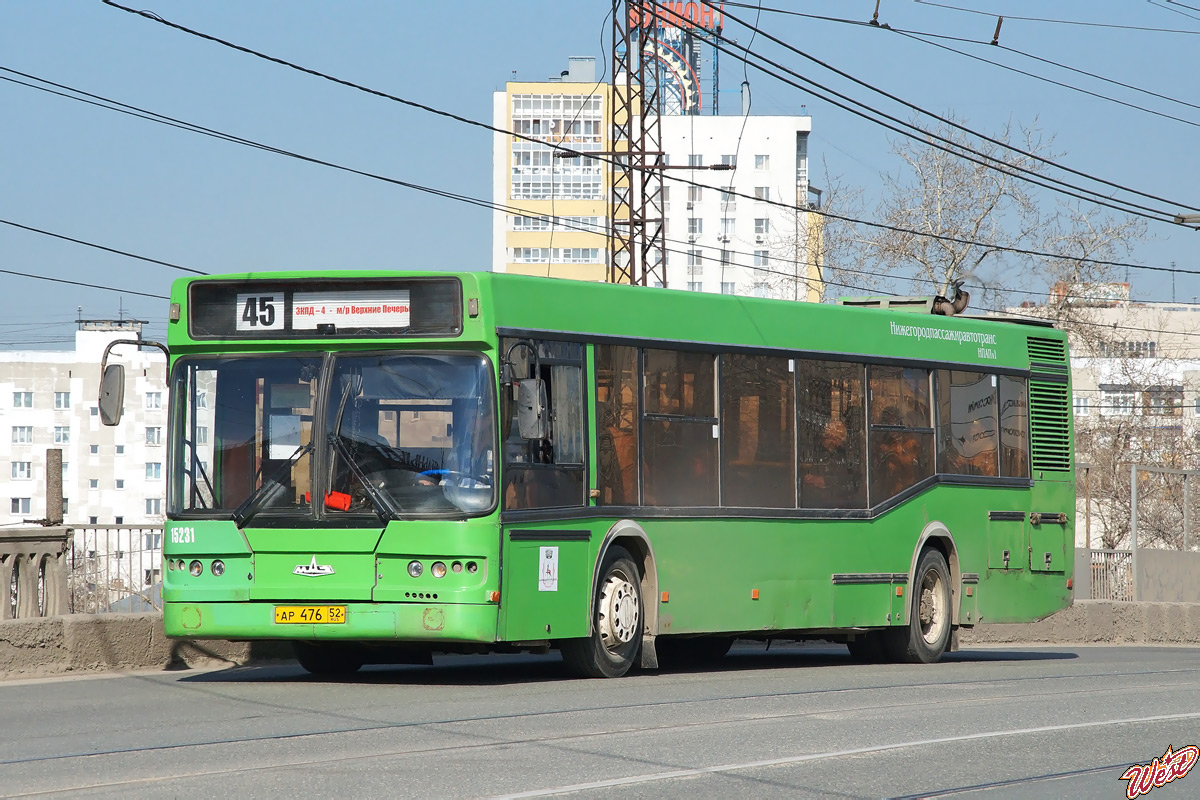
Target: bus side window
x,y
901,437
831,432
617,424
679,459
1014,427
758,459
966,423
550,472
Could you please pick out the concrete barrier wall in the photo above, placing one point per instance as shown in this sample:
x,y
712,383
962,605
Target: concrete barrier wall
x,y
106,642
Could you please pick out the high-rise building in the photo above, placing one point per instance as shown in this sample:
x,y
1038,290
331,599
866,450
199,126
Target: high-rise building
x,y
48,400
745,230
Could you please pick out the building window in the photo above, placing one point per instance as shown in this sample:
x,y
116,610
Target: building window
x,y
22,434
153,470
22,399
728,201
119,521
695,194
695,160
120,449
1117,402
762,226
202,396
65,465
20,505
154,435
66,503
695,226
22,470
1081,405
152,541
762,192
726,258
153,507
154,400
695,286
695,262
728,287
762,162
727,226
120,483
762,257
95,411
92,521
62,399
93,483
729,161
62,434
761,289
94,449
152,576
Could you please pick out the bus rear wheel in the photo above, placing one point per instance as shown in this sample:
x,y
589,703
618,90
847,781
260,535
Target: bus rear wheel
x,y
328,660
616,638
927,635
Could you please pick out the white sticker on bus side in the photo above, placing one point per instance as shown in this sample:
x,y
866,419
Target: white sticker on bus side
x,y
548,569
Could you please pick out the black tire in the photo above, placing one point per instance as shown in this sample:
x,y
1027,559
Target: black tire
x,y
616,639
927,635
704,651
868,648
328,659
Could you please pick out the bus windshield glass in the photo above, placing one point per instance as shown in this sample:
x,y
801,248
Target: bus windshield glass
x,y
394,435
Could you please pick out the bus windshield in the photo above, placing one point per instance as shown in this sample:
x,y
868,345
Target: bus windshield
x,y
285,438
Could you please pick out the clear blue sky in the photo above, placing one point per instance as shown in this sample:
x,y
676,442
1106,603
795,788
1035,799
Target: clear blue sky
x,y
167,194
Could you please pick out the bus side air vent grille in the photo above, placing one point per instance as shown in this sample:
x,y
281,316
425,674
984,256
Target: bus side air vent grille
x,y
1050,426
1053,351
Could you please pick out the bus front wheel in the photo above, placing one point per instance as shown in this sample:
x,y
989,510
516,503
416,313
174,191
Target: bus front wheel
x,y
616,638
927,635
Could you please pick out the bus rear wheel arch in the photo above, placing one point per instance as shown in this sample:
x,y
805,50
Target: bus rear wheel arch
x,y
618,613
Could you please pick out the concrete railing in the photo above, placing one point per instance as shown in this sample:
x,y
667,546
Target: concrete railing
x,y
33,572
1146,575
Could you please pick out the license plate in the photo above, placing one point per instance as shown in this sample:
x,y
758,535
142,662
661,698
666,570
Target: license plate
x,y
310,615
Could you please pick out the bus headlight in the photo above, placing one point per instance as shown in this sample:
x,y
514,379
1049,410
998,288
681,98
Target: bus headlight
x,y
218,568
415,569
438,570
196,568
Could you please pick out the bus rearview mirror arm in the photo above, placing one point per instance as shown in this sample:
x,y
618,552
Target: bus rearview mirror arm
x,y
111,398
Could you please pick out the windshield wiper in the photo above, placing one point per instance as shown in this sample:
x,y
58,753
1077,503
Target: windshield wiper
x,y
270,489
384,506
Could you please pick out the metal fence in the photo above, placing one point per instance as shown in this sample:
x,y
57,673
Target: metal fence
x,y
115,568
1111,574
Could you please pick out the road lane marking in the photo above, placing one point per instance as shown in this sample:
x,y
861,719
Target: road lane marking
x,y
775,762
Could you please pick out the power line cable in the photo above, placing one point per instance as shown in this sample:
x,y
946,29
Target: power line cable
x,y
86,285
927,133
574,154
1059,21
102,247
920,38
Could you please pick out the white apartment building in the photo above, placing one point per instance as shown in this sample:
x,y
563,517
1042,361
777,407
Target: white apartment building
x,y
48,400
724,235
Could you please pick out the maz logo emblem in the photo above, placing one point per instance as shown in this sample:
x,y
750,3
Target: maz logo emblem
x,y
313,570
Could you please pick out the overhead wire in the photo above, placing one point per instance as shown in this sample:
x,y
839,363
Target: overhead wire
x,y
574,153
953,145
1082,23
556,220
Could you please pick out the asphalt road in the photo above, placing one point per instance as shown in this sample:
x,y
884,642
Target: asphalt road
x,y
791,722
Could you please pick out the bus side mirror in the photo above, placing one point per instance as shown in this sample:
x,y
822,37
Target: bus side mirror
x,y
532,420
112,394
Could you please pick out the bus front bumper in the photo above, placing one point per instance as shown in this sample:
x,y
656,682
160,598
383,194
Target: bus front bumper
x,y
397,622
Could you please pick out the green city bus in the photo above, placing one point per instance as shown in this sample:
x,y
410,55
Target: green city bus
x,y
378,466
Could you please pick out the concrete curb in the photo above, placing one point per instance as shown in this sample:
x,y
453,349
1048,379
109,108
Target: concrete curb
x,y
82,643
108,642
1099,622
